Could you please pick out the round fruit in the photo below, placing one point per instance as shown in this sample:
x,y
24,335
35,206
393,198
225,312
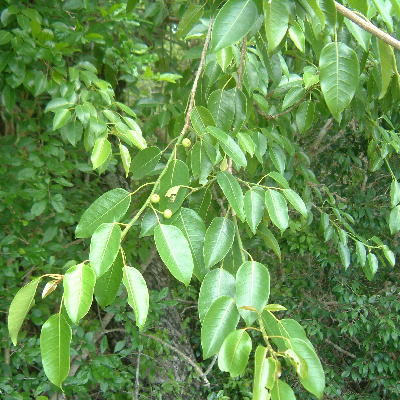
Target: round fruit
x,y
167,213
186,142
155,198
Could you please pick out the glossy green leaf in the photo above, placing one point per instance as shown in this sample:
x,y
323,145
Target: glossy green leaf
x,y
55,339
221,106
371,266
109,207
57,103
394,220
218,240
145,162
234,20
230,147
78,284
276,22
387,65
217,283
104,247
277,209
200,118
234,353
314,381
394,193
138,294
361,253
125,157
344,254
220,320
297,35
292,97
107,285
101,151
296,201
252,289
174,250
254,206
232,191
61,117
225,57
282,391
265,373
22,302
389,255
278,158
339,74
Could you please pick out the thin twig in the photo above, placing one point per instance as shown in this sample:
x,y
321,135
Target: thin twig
x,y
212,363
367,26
339,349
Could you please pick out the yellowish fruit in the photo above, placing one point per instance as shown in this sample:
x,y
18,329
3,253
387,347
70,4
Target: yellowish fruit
x,y
186,142
167,213
155,198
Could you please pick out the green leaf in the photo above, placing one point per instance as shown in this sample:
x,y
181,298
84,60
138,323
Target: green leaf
x,y
387,64
234,353
220,320
61,117
217,283
175,252
200,118
252,289
389,255
19,308
361,253
344,254
149,222
232,191
277,209
57,103
194,229
131,133
230,147
362,37
224,58
104,247
371,266
279,179
200,162
282,391
177,174
192,14
297,35
218,240
55,340
265,373
107,285
234,20
292,97
126,109
314,380
296,201
101,151
278,158
5,37
78,283
145,162
126,158
109,207
305,116
394,220
384,13
276,22
270,240
339,74
254,206
329,9
138,294
394,193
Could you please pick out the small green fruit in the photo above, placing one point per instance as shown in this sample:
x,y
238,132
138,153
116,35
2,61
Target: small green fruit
x,y
186,142
155,198
167,213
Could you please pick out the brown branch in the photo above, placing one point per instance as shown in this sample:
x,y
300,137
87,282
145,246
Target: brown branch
x,y
367,26
339,349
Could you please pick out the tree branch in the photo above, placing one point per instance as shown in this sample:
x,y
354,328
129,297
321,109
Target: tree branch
x,y
367,26
339,349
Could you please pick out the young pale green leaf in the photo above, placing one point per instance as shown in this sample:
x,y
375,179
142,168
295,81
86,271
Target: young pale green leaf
x,y
138,294
19,308
254,206
109,207
265,373
217,283
194,229
174,250
276,22
125,157
78,283
232,191
230,147
104,247
339,74
218,240
282,391
394,193
252,289
295,330
220,320
200,118
277,209
387,65
234,353
394,220
107,285
61,117
361,253
371,266
145,162
314,380
296,201
101,151
234,20
55,340
270,240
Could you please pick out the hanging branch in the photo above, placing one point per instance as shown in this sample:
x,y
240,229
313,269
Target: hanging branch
x,y
367,26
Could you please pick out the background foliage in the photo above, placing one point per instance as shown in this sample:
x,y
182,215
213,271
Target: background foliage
x,y
101,54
